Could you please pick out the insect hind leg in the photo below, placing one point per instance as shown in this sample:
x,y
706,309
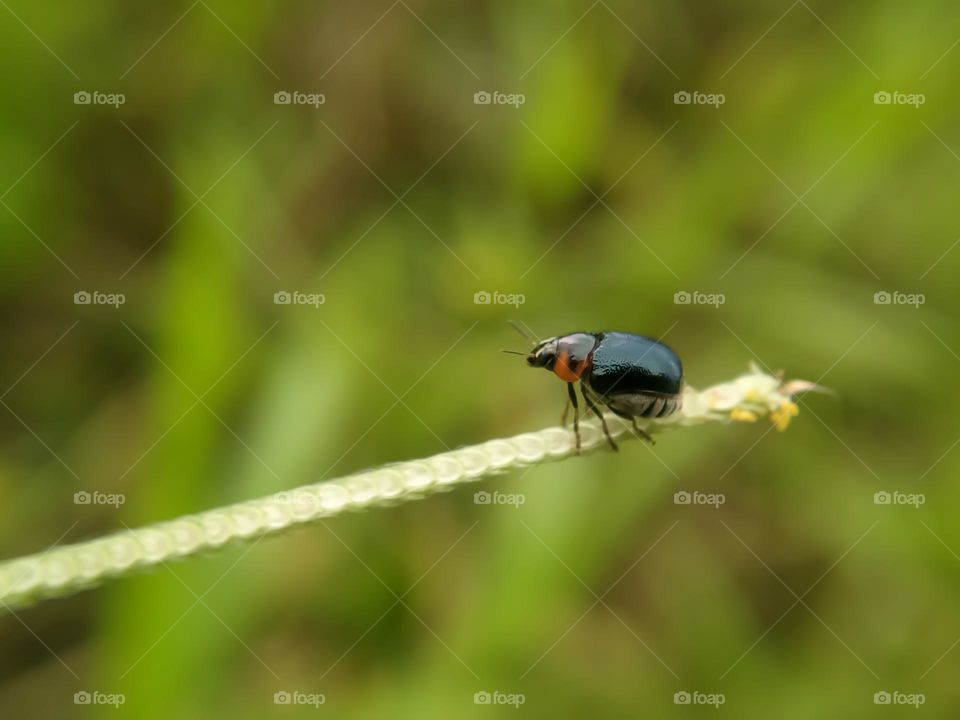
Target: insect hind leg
x,y
637,430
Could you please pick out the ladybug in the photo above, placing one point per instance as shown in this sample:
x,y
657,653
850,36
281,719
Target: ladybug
x,y
632,375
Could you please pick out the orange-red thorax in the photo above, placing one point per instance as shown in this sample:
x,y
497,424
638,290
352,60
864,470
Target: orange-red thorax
x,y
570,370
574,353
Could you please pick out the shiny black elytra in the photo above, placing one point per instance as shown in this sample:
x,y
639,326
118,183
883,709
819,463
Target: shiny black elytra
x,y
633,375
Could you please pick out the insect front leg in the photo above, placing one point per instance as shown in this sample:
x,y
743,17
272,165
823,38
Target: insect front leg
x,y
571,393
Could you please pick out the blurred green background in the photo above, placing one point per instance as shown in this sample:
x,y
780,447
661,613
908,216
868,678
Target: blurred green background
x,y
398,198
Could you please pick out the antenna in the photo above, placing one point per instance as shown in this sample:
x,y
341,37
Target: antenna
x,y
523,331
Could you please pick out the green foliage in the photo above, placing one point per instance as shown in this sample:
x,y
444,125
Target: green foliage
x,y
299,393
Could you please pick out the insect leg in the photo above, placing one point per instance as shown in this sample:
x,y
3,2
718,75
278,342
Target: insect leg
x,y
640,431
637,430
603,422
576,413
566,411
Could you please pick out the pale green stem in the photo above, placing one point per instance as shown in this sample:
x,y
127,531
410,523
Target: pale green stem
x,y
68,569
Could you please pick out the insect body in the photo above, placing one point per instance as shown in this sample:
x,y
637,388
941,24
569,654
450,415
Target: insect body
x,y
634,376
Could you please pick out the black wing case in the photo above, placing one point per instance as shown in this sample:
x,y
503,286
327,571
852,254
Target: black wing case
x,y
626,363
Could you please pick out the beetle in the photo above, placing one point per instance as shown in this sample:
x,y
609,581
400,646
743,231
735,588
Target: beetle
x,y
632,375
